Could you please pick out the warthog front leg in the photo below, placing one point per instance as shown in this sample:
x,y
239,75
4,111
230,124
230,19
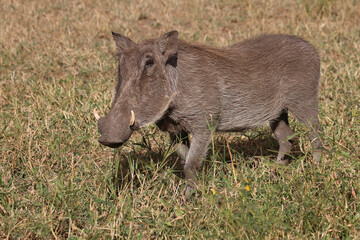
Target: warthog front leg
x,y
181,143
197,153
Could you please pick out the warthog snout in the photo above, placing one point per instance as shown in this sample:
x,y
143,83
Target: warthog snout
x,y
105,138
112,135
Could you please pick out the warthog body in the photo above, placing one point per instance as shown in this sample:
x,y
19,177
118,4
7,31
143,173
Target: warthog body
x,y
184,88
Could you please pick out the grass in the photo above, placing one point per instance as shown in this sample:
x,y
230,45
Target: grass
x,y
56,181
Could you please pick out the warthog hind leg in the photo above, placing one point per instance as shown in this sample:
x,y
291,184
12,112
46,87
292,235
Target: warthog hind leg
x,y
280,127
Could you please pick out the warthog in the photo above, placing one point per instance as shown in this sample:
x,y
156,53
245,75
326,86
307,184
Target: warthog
x,y
183,87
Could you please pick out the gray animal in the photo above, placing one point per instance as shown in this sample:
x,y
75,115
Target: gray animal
x,y
184,88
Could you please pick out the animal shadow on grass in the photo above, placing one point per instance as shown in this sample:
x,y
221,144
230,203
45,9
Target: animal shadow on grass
x,y
252,148
147,162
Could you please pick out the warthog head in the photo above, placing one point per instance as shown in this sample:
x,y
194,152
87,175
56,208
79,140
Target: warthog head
x,y
147,80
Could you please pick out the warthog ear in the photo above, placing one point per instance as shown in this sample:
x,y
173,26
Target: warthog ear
x,y
122,42
168,43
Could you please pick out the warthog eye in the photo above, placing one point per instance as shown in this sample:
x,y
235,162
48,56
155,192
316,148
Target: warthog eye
x,y
149,62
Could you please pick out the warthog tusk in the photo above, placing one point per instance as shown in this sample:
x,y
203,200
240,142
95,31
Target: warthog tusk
x,y
96,114
132,119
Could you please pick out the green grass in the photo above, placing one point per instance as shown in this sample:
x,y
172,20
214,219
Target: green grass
x,y
56,181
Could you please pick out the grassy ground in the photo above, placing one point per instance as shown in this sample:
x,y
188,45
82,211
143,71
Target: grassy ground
x,y
57,64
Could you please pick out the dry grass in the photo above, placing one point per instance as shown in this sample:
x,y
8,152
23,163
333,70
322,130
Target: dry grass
x,y
56,181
